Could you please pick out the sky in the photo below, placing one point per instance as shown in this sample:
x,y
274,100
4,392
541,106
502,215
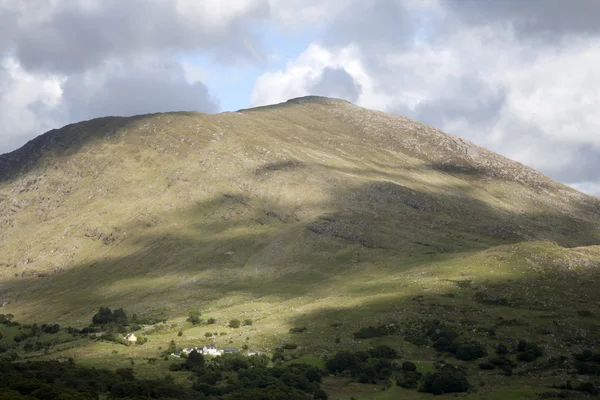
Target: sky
x,y
520,77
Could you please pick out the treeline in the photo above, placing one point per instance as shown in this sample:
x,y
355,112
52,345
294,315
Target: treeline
x,y
381,364
232,377
50,380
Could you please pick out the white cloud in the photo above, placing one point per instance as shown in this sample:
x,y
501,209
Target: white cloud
x,y
29,104
534,102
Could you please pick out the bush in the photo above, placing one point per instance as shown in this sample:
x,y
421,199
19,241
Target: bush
x,y
372,332
448,380
51,328
248,322
106,316
208,334
211,321
528,351
588,387
409,379
180,333
141,339
290,346
442,344
342,361
234,323
501,349
194,316
408,366
297,330
383,351
585,313
486,366
417,340
470,352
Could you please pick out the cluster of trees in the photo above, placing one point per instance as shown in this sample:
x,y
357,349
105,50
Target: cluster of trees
x,y
380,364
105,316
55,380
373,332
253,380
6,319
370,366
231,377
587,362
195,317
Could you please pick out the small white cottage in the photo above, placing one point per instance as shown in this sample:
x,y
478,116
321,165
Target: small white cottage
x,y
210,350
130,337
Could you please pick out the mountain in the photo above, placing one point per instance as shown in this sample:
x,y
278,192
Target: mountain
x,y
302,213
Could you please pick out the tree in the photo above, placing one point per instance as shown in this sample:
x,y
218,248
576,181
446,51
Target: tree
x,y
141,339
102,317
120,317
194,360
448,380
172,347
234,323
194,317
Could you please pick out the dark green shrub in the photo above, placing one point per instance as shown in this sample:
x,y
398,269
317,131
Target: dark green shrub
x,y
248,322
417,340
290,346
470,352
409,379
342,361
501,349
585,313
194,316
298,330
486,366
408,366
372,332
502,361
383,351
528,351
588,387
449,379
362,356
442,344
234,323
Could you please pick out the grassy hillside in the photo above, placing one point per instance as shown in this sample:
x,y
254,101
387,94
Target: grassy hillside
x,y
305,214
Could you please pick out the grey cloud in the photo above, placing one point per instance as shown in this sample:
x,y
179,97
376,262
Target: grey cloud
x,y
550,18
75,39
371,24
583,163
336,82
467,98
136,89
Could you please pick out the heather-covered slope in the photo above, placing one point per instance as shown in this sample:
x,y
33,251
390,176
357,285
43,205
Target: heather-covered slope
x,y
302,202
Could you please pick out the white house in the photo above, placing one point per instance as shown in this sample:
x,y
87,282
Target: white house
x,y
188,350
210,350
131,337
254,353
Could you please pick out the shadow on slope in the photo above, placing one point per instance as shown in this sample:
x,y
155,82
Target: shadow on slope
x,y
240,252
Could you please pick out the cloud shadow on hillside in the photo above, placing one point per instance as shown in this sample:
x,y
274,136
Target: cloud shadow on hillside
x,y
396,227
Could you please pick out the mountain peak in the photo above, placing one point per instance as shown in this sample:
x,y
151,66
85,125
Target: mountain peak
x,y
317,100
